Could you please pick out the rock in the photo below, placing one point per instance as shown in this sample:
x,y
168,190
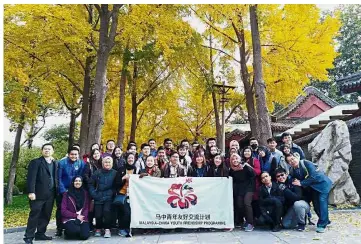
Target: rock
x,y
331,150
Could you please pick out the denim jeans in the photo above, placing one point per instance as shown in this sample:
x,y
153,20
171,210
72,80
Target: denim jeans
x,y
320,203
296,214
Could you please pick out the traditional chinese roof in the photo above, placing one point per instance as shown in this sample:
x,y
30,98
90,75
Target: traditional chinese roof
x,y
310,90
350,83
230,134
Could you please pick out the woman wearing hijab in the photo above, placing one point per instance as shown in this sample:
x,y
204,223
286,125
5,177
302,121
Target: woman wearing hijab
x,y
74,211
218,168
243,189
122,188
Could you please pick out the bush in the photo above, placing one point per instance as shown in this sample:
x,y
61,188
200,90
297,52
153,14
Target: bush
x,y
15,190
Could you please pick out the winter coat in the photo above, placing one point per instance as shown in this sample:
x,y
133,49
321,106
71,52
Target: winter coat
x,y
243,181
67,171
102,185
68,208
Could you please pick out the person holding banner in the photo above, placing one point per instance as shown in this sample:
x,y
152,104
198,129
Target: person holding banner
x,y
102,190
218,169
243,188
122,189
173,169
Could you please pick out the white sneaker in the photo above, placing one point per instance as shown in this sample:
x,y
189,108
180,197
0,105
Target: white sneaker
x,y
107,233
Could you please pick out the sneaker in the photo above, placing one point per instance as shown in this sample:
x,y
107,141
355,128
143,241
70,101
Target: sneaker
x,y
301,227
59,232
244,225
249,228
98,233
122,233
329,224
320,229
277,228
107,233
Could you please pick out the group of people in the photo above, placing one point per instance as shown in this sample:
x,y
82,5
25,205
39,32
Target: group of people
x,y
270,186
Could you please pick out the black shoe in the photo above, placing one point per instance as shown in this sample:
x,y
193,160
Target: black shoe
x,y
301,227
59,232
276,228
43,238
28,240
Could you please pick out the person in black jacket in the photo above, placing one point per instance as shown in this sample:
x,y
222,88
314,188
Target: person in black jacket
x,y
199,166
243,189
102,190
296,207
271,201
219,168
118,159
41,185
122,188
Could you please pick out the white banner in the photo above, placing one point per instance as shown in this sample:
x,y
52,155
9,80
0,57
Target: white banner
x,y
183,202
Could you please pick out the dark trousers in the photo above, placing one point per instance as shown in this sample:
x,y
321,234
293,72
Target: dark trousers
x,y
244,208
91,219
74,230
256,208
273,209
124,216
39,217
320,205
59,224
103,215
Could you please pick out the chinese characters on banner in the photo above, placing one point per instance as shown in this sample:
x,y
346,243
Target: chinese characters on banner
x,y
183,202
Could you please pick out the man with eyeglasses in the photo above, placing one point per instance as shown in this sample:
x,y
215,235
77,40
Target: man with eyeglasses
x,y
271,202
69,167
174,169
296,207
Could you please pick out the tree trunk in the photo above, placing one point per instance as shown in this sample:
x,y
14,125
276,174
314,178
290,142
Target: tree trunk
x,y
123,82
252,116
106,43
134,103
84,128
14,161
214,98
264,125
31,134
72,128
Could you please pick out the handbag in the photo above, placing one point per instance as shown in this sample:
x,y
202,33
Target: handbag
x,y
120,200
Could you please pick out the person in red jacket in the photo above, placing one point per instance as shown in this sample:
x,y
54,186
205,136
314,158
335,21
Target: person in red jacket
x,y
74,211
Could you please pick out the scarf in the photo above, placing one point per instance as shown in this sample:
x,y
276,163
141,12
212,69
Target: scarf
x,y
150,171
78,195
129,167
236,168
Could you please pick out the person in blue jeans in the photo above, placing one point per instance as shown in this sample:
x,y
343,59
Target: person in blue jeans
x,y
305,174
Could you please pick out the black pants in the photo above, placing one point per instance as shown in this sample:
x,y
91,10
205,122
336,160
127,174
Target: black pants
x,y
59,224
124,216
272,207
244,208
103,215
39,216
76,231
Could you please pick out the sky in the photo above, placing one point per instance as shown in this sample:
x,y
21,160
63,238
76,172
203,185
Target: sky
x,y
57,120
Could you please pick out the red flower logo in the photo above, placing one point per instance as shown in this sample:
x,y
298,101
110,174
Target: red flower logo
x,y
181,195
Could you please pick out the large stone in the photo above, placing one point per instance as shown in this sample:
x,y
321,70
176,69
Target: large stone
x,y
331,150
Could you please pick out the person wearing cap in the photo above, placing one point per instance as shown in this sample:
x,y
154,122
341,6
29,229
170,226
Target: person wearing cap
x,y
287,139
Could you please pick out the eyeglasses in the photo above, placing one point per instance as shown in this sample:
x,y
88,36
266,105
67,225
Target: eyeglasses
x,y
278,176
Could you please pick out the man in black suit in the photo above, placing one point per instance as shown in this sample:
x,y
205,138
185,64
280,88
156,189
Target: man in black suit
x,y
41,184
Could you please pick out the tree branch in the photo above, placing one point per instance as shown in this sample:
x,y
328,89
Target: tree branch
x,y
189,128
213,27
74,56
140,117
31,55
153,86
219,50
232,111
61,95
72,82
204,121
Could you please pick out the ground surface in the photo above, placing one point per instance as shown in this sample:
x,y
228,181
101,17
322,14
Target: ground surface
x,y
346,228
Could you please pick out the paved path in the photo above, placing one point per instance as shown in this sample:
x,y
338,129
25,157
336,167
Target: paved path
x,y
346,228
